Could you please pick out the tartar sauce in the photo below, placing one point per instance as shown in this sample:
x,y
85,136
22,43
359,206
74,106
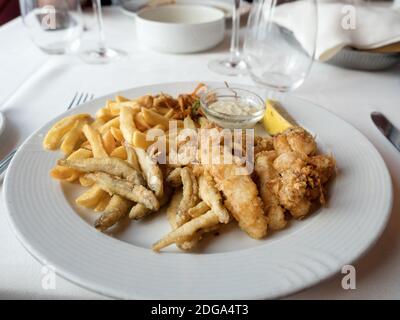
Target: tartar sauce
x,y
235,107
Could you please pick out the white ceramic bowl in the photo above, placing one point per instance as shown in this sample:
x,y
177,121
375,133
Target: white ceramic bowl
x,y
180,28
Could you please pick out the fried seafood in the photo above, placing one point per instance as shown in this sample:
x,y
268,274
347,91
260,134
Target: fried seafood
x,y
242,198
210,195
113,166
174,178
198,209
151,171
267,181
295,139
186,231
139,211
292,176
119,156
190,195
116,209
126,189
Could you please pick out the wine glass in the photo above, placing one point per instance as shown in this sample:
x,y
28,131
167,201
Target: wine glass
x,y
233,64
55,26
280,42
102,53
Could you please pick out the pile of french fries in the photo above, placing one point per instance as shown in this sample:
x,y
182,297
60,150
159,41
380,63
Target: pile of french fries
x,y
107,155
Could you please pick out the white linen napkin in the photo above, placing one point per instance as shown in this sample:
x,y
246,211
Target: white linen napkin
x,y
374,25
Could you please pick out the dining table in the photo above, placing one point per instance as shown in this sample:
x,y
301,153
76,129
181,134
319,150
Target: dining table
x,y
35,87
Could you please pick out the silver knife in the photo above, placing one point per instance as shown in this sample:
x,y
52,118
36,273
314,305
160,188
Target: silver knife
x,y
387,128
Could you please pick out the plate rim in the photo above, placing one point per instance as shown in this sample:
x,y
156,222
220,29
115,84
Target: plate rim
x,y
2,123
362,250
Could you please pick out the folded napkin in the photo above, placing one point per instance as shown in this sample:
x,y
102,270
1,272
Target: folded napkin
x,y
376,25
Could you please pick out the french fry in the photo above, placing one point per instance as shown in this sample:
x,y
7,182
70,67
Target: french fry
x,y
121,99
115,107
113,166
54,136
109,142
98,123
120,153
70,174
103,203
159,126
126,189
85,182
80,154
91,197
72,137
117,134
116,209
153,118
127,123
108,125
140,141
104,114
86,145
95,141
187,230
63,173
141,123
145,101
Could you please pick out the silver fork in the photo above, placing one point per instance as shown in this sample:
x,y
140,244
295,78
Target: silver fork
x,y
78,99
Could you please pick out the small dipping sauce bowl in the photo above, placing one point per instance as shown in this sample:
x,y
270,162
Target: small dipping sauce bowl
x,y
233,107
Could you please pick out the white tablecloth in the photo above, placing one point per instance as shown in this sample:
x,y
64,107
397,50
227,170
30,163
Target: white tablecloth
x,y
35,88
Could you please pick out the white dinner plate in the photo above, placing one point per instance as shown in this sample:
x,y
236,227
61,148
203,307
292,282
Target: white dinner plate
x,y
52,228
130,7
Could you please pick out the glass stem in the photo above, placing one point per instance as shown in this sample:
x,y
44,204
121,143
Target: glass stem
x,y
100,24
235,44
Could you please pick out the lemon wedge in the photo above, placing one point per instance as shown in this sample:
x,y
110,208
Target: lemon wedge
x,y
275,121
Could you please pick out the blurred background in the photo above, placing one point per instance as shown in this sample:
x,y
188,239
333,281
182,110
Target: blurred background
x,y
9,9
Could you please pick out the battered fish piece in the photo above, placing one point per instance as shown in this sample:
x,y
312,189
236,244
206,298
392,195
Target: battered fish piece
x,y
324,165
292,193
267,181
263,144
295,139
242,198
